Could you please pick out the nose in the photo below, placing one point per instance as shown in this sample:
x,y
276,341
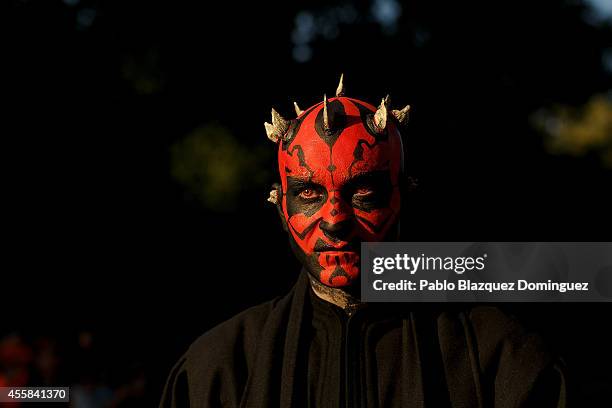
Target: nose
x,y
337,221
338,231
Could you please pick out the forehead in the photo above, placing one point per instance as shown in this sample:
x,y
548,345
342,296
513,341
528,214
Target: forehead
x,y
350,150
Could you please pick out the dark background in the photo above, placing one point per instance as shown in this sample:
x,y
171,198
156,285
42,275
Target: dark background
x,y
137,167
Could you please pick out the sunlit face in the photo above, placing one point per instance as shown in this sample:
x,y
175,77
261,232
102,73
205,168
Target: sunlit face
x,y
340,188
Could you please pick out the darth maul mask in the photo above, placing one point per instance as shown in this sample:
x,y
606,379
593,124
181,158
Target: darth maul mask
x,y
340,163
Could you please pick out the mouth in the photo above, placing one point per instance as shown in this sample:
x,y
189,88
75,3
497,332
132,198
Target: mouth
x,y
324,247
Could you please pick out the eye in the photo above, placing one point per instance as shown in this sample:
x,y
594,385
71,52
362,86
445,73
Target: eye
x,y
364,191
309,194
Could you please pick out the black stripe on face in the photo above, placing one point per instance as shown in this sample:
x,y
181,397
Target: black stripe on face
x,y
291,133
338,272
376,228
367,118
303,234
301,160
337,117
294,128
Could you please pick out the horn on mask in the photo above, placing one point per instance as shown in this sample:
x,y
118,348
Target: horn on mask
x,y
277,129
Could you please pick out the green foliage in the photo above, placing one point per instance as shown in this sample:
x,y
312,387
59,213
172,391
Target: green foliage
x,y
143,72
213,166
578,131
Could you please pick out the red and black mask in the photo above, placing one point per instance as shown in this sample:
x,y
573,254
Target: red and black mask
x,y
340,163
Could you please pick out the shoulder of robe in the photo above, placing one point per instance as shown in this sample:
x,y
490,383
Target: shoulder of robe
x,y
233,339
215,366
501,340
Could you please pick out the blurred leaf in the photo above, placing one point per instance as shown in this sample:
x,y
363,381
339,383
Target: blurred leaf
x,y
216,168
143,72
578,131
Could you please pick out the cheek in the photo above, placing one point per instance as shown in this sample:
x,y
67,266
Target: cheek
x,y
299,222
304,229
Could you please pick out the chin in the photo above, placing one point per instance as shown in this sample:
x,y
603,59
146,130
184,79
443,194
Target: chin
x,y
339,269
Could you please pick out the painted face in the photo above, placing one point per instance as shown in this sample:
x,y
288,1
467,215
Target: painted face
x,y
340,187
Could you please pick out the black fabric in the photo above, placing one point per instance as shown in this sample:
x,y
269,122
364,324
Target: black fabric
x,y
300,351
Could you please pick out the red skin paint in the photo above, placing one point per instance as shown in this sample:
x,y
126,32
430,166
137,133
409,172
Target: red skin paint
x,y
354,153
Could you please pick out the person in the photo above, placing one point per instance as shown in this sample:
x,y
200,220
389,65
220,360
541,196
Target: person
x,y
341,183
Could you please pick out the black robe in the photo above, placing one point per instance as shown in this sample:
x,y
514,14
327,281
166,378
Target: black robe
x,y
299,351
